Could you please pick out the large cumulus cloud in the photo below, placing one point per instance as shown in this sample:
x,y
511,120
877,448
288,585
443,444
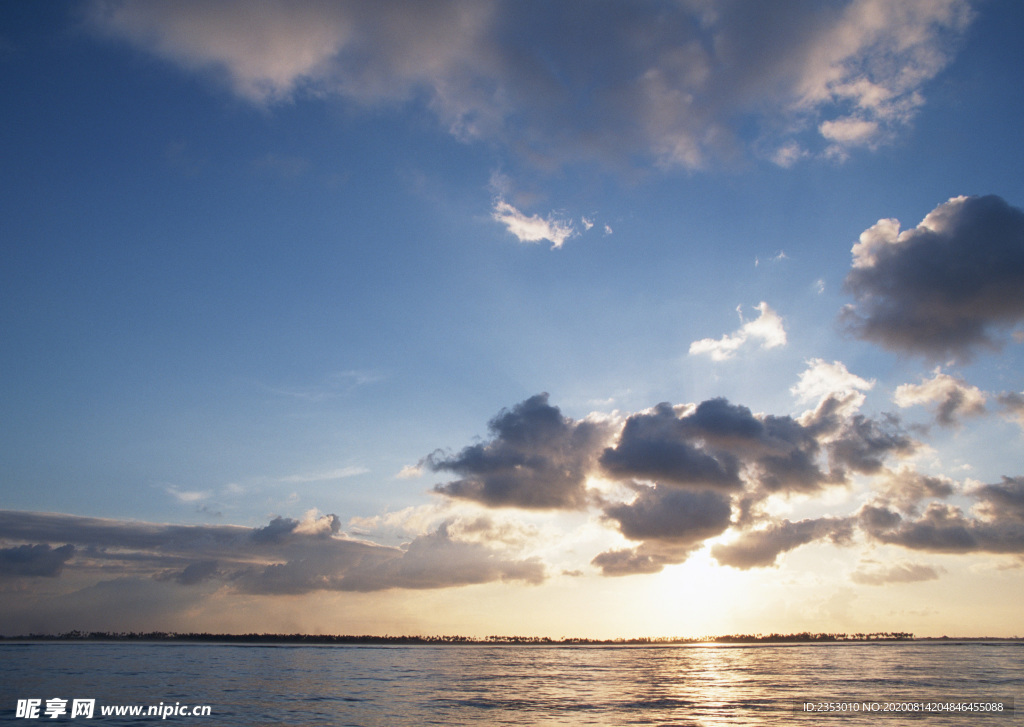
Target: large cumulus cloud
x,y
946,288
662,445
671,515
717,444
694,470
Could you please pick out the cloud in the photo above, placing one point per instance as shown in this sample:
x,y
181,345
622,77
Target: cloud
x,y
1003,501
369,54
761,548
789,154
661,445
717,444
944,528
677,86
437,561
532,228
648,557
821,379
906,488
537,459
767,327
671,515
34,560
628,562
97,533
903,572
1012,403
409,472
187,495
952,397
849,131
945,288
286,556
325,475
862,444
194,573
337,384
672,523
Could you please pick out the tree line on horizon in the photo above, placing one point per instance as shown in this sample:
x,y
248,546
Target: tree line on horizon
x,y
267,638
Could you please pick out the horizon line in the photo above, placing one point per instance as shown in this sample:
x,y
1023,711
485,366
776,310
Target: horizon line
x,y
493,640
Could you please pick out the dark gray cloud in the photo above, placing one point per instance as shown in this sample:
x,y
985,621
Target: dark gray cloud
x,y
197,572
34,560
945,288
672,515
1013,403
719,445
760,548
880,575
671,522
536,459
285,557
854,441
1003,501
557,81
631,561
661,446
864,443
103,532
944,528
282,530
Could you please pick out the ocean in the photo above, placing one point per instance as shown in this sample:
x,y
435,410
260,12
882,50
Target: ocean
x,y
885,683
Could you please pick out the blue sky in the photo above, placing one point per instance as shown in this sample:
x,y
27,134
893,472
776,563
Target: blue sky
x,y
316,281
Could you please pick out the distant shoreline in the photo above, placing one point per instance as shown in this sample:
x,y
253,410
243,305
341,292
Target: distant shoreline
x,y
369,640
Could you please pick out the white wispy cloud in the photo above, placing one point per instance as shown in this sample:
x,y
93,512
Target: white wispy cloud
x,y
532,228
187,495
339,383
326,475
767,328
409,472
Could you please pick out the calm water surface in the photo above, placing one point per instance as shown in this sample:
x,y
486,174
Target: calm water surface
x,y
515,685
